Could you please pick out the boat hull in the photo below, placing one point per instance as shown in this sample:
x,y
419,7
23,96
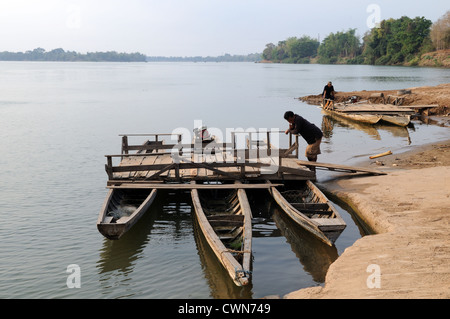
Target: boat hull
x,y
363,118
400,120
121,210
314,213
219,230
371,117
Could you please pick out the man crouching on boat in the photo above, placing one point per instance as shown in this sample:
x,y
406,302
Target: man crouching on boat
x,y
311,133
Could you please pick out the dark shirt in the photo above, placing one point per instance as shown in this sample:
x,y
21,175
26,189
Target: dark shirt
x,y
328,90
307,130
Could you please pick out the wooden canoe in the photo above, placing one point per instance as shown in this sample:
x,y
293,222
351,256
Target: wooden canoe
x,y
312,210
224,216
400,120
122,209
358,117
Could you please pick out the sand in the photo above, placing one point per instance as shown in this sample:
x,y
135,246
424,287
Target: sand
x,y
409,256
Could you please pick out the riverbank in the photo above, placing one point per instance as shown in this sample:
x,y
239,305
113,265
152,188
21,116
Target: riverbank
x,y
438,95
409,255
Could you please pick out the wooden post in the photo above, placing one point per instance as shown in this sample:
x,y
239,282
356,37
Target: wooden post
x,y
177,171
124,144
108,167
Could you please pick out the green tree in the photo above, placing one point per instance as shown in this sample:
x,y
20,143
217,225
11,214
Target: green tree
x,y
339,46
396,40
292,50
268,51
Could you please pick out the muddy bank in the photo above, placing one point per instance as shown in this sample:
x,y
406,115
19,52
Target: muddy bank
x,y
427,95
409,256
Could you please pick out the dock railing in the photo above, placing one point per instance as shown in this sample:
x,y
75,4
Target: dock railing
x,y
212,155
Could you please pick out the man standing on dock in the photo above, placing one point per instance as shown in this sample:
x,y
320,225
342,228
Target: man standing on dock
x,y
310,132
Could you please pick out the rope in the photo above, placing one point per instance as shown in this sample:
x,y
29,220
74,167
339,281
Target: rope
x,y
237,251
246,273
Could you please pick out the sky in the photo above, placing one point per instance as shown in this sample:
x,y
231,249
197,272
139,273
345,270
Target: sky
x,y
190,27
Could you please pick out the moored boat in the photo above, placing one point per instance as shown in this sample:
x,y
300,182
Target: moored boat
x,y
312,210
224,216
122,209
400,120
358,117
371,113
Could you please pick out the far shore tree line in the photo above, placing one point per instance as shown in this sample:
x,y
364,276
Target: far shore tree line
x,y
395,42
40,54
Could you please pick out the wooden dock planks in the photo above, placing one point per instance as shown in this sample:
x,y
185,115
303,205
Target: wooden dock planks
x,y
156,162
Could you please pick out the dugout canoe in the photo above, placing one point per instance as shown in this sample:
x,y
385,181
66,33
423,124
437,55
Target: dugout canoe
x,y
371,113
122,209
400,120
358,117
311,209
224,217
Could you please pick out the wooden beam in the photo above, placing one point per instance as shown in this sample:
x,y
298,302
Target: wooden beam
x,y
337,168
184,186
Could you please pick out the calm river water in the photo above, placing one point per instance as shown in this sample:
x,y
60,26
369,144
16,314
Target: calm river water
x,y
58,120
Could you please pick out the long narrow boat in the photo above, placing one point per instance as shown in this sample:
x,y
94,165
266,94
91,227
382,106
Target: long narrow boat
x,y
400,120
310,209
224,216
354,116
122,209
371,113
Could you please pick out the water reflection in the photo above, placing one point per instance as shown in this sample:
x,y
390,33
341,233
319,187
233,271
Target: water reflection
x,y
118,257
166,223
314,256
217,278
381,78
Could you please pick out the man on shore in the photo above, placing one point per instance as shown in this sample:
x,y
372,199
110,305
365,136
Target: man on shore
x,y
310,132
328,95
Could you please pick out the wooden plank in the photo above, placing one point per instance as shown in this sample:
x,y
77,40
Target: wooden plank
x,y
337,168
419,106
313,206
245,205
192,186
373,108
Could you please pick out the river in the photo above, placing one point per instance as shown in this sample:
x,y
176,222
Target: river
x,y
58,120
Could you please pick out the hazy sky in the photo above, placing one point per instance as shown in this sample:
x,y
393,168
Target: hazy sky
x,y
190,27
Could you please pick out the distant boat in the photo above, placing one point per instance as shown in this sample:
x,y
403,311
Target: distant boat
x,y
122,209
311,210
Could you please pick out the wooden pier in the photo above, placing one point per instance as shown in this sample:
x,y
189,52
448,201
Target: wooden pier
x,y
160,164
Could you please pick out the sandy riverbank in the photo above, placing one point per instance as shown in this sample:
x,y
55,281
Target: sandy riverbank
x,y
408,209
